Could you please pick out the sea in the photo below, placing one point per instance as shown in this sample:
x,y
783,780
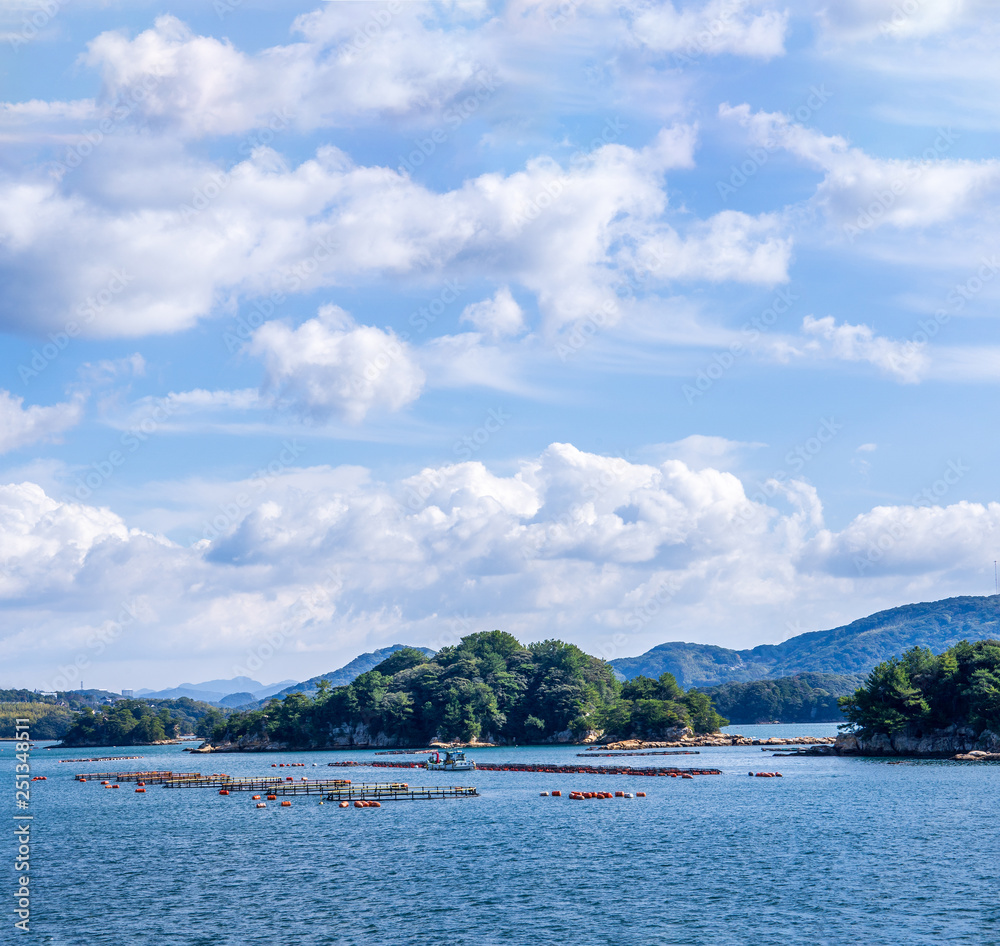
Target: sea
x,y
836,851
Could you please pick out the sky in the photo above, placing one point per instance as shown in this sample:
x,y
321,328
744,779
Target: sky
x,y
332,325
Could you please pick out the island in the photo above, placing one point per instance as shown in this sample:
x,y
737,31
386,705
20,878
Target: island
x,y
922,704
489,689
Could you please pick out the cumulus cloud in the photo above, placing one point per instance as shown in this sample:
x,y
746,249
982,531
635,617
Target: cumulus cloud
x,y
350,61
330,366
568,542
905,361
861,192
20,425
496,317
107,258
739,27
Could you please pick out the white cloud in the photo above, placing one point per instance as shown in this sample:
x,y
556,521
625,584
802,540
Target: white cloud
x,y
108,259
330,366
738,27
20,425
862,193
199,85
569,543
906,361
496,317
866,20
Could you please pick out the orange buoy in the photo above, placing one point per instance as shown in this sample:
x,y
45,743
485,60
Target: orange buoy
x,y
261,804
105,783
223,791
115,786
140,784
274,765
556,794
286,804
256,797
374,804
139,791
359,804
345,804
640,794
272,797
619,794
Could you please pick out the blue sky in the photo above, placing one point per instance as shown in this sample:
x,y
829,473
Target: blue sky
x,y
329,326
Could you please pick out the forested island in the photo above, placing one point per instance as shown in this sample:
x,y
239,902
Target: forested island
x,y
489,688
927,704
141,722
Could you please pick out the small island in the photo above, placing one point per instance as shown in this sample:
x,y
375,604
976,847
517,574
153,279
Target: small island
x,y
487,690
926,705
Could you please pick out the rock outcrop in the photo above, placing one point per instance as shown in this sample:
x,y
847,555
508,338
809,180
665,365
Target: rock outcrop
x,y
920,743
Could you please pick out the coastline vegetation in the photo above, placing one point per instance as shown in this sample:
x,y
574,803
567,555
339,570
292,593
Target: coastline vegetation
x,y
800,698
141,722
489,687
960,686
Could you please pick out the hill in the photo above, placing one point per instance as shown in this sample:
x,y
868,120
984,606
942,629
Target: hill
x,y
853,648
926,705
802,698
349,672
214,691
487,688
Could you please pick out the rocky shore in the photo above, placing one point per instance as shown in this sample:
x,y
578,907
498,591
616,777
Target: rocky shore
x,y
693,741
954,742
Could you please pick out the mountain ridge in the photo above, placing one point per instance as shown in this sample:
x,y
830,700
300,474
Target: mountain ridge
x,y
849,649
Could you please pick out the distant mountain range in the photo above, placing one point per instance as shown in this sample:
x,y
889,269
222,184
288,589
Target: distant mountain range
x,y
215,691
349,672
851,649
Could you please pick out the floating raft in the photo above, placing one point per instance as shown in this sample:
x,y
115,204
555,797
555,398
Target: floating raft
x,y
106,758
137,776
620,755
541,767
400,793
227,781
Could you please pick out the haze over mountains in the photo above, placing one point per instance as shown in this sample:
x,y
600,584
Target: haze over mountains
x,y
853,648
214,691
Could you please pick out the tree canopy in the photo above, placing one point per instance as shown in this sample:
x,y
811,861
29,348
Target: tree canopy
x,y
487,687
959,686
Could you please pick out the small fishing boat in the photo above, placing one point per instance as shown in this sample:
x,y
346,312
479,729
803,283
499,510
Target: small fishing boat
x,y
453,761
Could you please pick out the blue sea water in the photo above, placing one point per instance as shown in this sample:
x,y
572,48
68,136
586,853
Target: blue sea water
x,y
838,851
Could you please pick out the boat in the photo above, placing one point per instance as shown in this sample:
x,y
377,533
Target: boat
x,y
453,761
